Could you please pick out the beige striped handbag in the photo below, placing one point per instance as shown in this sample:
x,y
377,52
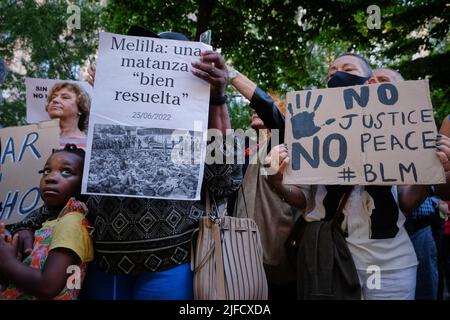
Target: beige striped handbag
x,y
228,259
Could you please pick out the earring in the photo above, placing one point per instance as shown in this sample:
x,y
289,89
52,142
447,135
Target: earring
x,y
79,113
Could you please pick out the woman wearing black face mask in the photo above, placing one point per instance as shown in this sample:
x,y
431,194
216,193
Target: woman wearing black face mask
x,y
349,69
374,215
344,79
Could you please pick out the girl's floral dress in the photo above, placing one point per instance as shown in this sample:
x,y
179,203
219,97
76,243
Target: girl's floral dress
x,y
37,258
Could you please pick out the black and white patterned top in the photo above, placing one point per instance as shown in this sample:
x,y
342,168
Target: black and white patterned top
x,y
133,235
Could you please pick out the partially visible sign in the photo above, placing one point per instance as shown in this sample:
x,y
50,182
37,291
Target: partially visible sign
x,y
24,151
380,134
149,119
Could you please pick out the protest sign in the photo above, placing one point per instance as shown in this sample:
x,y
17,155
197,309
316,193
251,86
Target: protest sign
x,y
24,152
380,134
37,91
148,121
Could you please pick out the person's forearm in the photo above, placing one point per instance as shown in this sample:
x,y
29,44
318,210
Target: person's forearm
x,y
290,194
411,197
260,101
219,118
266,109
244,85
30,280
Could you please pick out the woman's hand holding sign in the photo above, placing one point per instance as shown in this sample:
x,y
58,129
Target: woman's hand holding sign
x,y
411,197
443,151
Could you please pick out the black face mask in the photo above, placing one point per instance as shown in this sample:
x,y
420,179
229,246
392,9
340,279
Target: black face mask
x,y
344,79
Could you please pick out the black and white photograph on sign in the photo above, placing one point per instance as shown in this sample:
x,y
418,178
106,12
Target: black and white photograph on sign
x,y
145,96
144,162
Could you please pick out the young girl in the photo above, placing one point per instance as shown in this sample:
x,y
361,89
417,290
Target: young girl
x,y
63,245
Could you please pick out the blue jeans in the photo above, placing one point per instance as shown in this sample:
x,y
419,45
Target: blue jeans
x,y
175,283
427,270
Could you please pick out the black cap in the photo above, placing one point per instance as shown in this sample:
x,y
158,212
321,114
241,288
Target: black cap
x,y
140,31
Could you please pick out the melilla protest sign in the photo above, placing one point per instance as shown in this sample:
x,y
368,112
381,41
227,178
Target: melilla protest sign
x,y
24,152
37,91
149,111
380,134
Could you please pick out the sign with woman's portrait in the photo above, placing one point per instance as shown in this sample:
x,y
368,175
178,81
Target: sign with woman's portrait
x,y
37,91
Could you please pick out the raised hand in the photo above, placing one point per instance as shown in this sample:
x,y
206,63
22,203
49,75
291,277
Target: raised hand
x,y
303,123
212,68
276,163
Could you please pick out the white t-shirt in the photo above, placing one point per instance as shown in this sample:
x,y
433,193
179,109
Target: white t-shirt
x,y
368,246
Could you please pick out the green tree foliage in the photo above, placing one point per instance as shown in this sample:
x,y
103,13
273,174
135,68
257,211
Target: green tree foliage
x,y
281,49
48,46
280,44
240,115
414,38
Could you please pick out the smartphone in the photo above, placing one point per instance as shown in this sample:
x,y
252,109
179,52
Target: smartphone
x,y
205,37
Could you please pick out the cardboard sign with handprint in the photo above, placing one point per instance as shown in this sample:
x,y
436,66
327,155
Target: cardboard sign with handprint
x,y
381,134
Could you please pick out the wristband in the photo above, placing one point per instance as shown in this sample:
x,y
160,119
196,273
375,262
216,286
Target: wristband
x,y
232,74
217,100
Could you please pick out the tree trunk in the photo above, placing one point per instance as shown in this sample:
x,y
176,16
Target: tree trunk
x,y
205,8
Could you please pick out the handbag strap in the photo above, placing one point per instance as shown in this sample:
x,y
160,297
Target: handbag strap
x,y
220,272
218,257
245,201
339,211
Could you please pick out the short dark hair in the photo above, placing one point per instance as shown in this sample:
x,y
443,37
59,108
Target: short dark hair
x,y
365,64
71,148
